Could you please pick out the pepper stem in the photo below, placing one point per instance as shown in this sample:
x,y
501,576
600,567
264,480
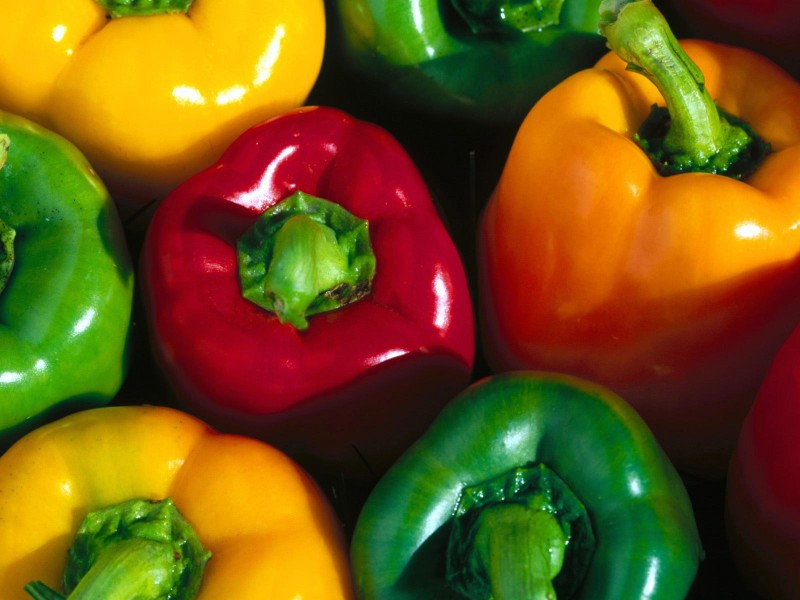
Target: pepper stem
x,y
143,8
522,534
7,233
522,550
699,137
304,256
504,16
136,549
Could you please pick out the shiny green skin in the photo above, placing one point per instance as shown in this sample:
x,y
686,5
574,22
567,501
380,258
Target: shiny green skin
x,y
647,540
65,313
422,54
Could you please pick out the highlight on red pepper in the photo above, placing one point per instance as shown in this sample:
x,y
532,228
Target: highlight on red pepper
x,y
66,281
529,485
148,502
152,91
478,60
762,501
769,27
305,290
643,233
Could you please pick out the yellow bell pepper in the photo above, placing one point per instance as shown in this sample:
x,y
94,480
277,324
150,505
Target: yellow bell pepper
x,y
151,99
270,531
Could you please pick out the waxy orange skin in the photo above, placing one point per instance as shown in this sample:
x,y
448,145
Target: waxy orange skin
x,y
675,292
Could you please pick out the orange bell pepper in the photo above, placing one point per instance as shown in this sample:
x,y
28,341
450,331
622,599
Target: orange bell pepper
x,y
674,291
153,91
269,529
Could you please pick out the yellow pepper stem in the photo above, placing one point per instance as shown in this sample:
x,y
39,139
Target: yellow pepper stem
x,y
700,137
143,8
136,549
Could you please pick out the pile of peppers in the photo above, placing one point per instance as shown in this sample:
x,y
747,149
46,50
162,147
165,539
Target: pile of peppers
x,y
254,345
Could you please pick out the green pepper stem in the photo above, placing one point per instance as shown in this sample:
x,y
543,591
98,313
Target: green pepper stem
x,y
7,233
39,591
698,133
503,16
304,256
143,8
522,550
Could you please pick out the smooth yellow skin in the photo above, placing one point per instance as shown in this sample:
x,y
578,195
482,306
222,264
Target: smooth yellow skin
x,y
152,100
270,530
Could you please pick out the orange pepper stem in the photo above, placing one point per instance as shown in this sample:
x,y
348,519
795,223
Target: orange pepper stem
x,y
143,8
699,135
7,233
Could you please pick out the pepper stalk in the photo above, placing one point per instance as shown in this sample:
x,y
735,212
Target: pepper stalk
x,y
699,137
7,233
135,549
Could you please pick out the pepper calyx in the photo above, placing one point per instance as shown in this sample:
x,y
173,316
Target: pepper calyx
x,y
699,136
508,16
143,8
7,233
522,534
304,256
135,549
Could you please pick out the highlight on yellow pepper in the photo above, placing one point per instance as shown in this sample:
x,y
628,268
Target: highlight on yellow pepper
x,y
153,91
173,505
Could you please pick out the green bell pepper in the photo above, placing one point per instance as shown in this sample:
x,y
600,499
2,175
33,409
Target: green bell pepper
x,y
66,281
483,60
528,485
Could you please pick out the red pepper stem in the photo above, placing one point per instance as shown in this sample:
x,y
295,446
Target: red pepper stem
x,y
143,8
7,233
640,35
522,550
304,256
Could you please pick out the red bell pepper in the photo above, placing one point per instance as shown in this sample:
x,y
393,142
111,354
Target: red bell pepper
x,y
763,486
770,27
360,382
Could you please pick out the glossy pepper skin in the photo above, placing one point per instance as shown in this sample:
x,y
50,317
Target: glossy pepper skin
x,y
769,27
270,531
451,59
642,519
763,494
361,381
153,99
675,291
66,307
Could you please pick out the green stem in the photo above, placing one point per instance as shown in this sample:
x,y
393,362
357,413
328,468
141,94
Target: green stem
x,y
503,16
522,551
522,534
7,233
136,549
699,136
143,8
305,256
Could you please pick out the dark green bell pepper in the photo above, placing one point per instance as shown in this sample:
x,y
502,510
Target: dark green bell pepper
x,y
66,281
528,485
483,60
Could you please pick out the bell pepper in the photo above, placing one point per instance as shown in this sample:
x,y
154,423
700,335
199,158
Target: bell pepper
x,y
276,311
769,27
762,499
171,507
482,61
525,485
153,91
66,281
671,280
